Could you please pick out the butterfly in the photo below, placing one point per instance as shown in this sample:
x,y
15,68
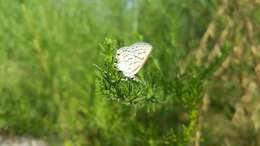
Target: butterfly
x,y
131,59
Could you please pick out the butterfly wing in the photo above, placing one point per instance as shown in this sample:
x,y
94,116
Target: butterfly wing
x,y
131,59
140,54
124,59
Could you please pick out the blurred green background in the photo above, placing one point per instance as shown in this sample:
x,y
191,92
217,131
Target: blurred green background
x,y
47,77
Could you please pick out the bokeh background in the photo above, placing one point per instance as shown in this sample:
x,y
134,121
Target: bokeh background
x,y
47,77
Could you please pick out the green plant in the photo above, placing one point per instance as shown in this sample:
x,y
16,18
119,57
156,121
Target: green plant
x,y
181,94
116,87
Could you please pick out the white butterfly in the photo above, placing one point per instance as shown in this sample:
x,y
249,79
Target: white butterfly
x,y
132,58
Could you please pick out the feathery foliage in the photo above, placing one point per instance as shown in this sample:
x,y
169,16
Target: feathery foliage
x,y
203,71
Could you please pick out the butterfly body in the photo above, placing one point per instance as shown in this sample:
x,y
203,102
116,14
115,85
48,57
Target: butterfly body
x,y
132,58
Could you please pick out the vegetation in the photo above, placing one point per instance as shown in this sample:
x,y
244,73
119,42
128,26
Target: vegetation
x,y
200,86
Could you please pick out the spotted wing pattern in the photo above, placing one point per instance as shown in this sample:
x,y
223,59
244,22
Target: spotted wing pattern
x,y
132,58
